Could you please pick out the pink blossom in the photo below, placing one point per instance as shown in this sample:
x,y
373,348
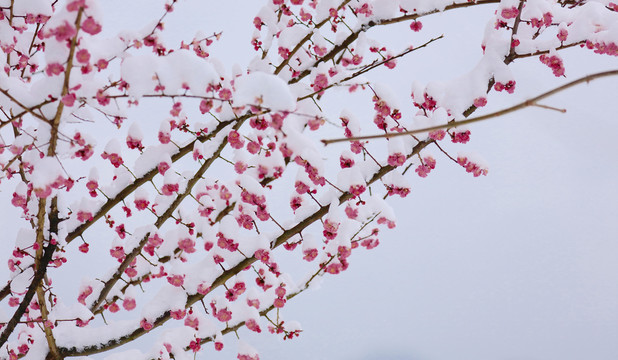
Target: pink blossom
x,y
84,248
437,134
164,137
114,158
396,159
509,87
131,271
75,5
320,82
240,167
253,147
480,102
120,230
163,167
134,143
84,216
279,303
296,202
248,357
471,167
301,187
203,288
310,254
345,162
280,291
54,69
195,345
370,243
91,26
416,26
19,201
461,137
330,229
365,9
510,13
553,62
225,243
390,62
315,122
117,252
305,16
235,140
192,322
84,294
245,221
284,53
223,315
101,64
187,245
257,22
356,190
14,301
225,94
344,252
64,32
382,220
68,99
205,106
146,325
252,325
253,303
102,99
334,268
82,323
178,314
141,204
169,189
319,50
351,213
128,303
23,349
82,56
43,192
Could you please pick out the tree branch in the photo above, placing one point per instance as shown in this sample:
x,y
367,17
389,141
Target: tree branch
x,y
452,124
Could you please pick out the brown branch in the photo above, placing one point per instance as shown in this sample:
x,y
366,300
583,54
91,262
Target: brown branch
x,y
124,193
40,293
23,306
451,124
354,35
26,109
541,52
449,7
516,23
160,221
65,86
299,45
369,67
229,273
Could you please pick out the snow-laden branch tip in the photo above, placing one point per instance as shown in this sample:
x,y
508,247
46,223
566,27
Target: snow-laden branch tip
x,y
451,124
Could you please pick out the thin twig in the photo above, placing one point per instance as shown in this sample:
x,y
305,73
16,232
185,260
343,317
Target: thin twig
x,y
451,124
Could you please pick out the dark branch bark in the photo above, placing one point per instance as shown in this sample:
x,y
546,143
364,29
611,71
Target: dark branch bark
x,y
36,281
